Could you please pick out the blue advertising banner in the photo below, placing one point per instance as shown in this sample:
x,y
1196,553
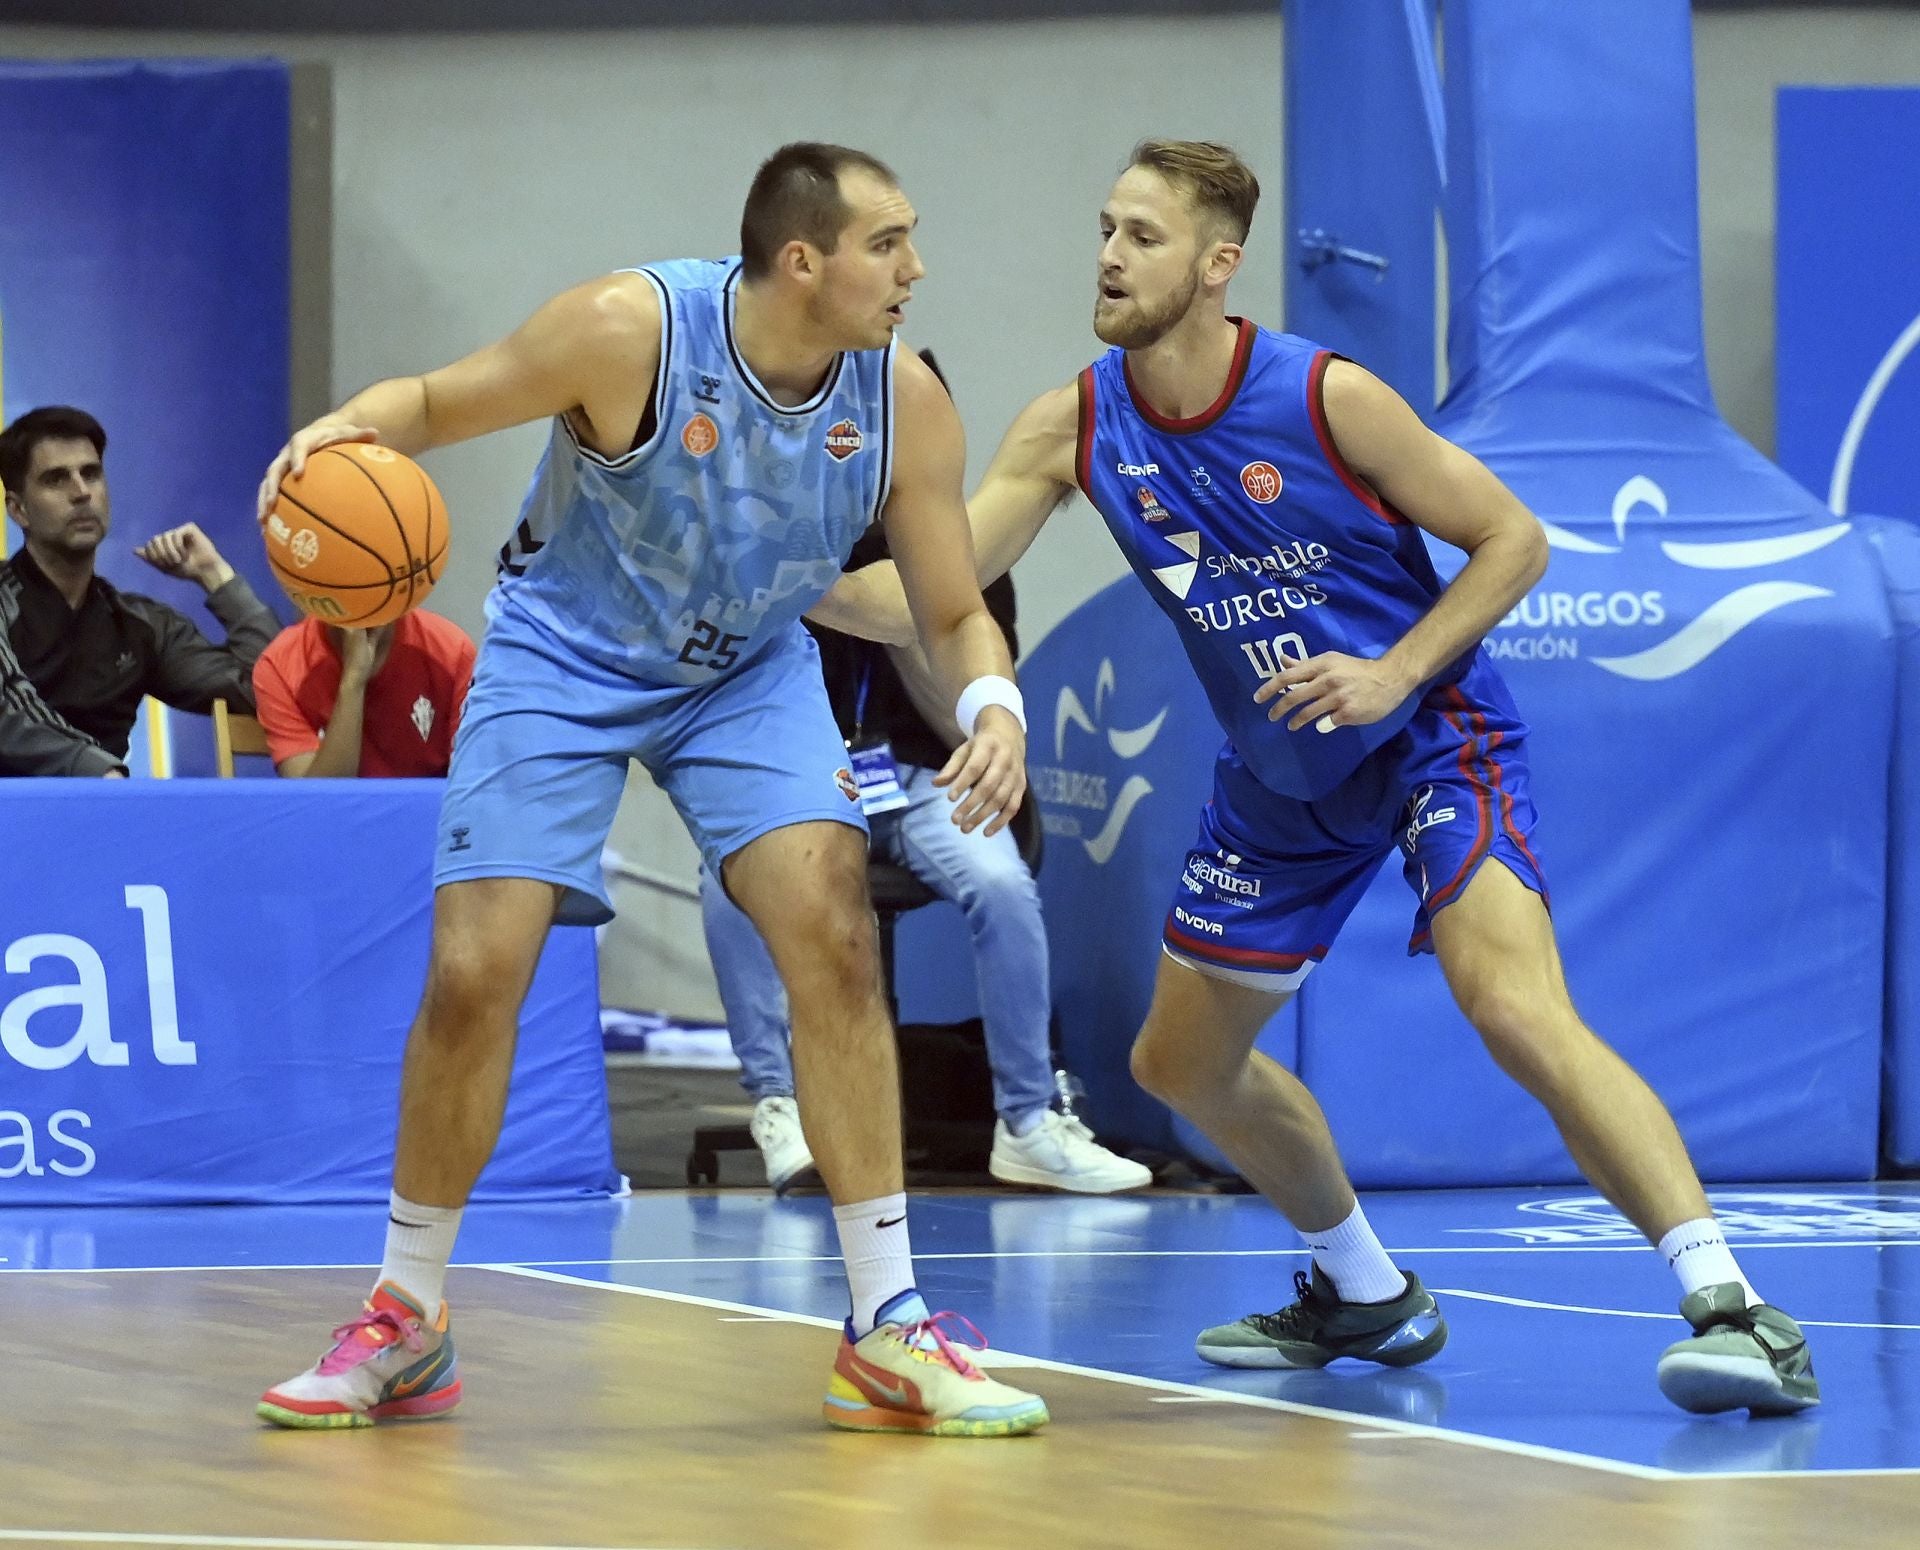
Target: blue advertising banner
x,y
144,278
1847,294
1708,666
205,990
1120,755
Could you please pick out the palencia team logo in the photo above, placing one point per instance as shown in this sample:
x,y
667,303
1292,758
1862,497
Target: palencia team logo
x,y
1714,626
843,440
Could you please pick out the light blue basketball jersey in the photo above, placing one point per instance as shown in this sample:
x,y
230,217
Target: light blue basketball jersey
x,y
681,559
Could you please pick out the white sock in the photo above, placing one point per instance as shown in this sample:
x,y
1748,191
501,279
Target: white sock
x,y
878,1252
1351,1258
419,1244
1697,1253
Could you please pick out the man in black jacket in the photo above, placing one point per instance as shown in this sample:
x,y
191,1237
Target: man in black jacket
x,y
76,653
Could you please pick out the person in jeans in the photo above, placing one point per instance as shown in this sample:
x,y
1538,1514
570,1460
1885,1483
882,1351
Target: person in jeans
x,y
884,697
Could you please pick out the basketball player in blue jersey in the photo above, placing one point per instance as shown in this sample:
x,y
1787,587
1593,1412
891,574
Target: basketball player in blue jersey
x,y
1272,498
722,433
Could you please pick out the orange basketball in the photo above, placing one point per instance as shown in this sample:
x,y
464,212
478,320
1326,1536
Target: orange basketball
x,y
359,536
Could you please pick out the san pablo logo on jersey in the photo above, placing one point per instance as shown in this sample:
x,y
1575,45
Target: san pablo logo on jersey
x,y
701,436
843,440
1531,632
1072,799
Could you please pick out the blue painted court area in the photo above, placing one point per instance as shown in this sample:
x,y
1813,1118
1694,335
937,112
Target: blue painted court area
x,y
1557,1309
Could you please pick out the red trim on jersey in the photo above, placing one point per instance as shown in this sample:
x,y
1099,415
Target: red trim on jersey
x,y
1243,957
1317,409
1083,446
1236,374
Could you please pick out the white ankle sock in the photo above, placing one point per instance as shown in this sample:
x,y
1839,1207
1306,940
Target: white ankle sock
x,y
1350,1256
878,1252
419,1244
1697,1253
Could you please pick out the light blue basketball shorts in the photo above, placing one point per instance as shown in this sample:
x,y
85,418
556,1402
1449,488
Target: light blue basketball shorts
x,y
540,760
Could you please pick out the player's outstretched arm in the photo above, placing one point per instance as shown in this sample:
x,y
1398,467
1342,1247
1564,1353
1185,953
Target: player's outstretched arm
x,y
590,352
1451,494
926,517
1030,475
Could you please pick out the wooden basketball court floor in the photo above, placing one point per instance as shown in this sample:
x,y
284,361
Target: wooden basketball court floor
x,y
646,1373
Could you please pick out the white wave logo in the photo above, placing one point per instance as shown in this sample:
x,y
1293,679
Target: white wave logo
x,y
1698,639
1126,743
1840,489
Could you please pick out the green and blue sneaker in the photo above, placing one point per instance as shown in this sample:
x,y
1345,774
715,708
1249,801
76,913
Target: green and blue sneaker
x,y
1318,1327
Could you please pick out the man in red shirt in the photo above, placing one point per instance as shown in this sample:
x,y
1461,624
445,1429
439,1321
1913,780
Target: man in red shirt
x,y
379,702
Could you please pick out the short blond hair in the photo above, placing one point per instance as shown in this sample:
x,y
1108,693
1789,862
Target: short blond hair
x,y
1213,177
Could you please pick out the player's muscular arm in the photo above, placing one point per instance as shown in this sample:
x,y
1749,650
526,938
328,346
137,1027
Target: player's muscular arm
x,y
1451,494
1031,474
927,530
589,353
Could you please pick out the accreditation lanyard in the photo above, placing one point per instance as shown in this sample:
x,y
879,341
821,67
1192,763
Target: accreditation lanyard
x,y
875,771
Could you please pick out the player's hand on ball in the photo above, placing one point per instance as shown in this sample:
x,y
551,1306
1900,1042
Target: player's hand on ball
x,y
986,779
292,458
1332,690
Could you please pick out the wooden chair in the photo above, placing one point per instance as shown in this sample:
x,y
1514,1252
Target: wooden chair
x,y
234,733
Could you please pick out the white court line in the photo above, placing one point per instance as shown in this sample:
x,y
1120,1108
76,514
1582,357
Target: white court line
x,y
40,1536
1192,1391
1744,1245
1636,1313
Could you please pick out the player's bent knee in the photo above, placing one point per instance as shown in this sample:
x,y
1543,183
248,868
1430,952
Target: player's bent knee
x,y
1163,1068
834,953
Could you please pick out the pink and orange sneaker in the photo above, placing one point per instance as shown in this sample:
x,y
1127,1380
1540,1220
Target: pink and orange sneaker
x,y
388,1364
905,1375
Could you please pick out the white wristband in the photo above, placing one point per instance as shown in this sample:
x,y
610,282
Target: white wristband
x,y
991,690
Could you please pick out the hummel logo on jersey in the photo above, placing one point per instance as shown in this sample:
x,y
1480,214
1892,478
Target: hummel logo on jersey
x,y
1136,470
709,390
843,440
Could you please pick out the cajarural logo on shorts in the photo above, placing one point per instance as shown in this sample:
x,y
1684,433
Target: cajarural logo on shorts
x,y
1532,631
1067,794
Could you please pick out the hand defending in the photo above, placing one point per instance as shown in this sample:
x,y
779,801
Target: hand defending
x,y
1332,690
986,778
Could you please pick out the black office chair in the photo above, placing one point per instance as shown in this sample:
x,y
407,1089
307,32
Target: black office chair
x,y
895,892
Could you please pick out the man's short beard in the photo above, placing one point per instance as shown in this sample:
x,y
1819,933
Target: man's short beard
x,y
1143,328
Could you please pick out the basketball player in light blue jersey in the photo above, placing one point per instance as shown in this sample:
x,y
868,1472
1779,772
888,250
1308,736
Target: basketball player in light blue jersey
x,y
722,433
1272,499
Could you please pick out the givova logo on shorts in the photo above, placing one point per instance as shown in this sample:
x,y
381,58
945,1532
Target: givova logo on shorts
x,y
1528,632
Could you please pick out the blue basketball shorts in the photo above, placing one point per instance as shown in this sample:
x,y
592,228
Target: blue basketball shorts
x,y
1271,879
540,760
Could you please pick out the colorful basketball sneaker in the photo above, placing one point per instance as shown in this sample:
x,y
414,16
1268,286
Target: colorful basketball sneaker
x,y
905,1375
385,1365
1318,1328
1738,1358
